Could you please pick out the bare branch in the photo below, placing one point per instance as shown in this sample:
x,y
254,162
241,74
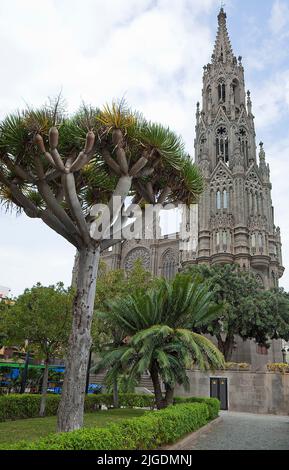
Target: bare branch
x,y
117,138
52,202
143,192
111,162
85,156
75,207
57,160
57,226
20,172
138,166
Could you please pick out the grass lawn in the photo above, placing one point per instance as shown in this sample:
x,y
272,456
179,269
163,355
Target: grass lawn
x,y
32,429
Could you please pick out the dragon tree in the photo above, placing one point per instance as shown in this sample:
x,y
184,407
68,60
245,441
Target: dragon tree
x,y
56,168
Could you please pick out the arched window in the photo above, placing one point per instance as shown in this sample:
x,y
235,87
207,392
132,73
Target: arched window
x,y
243,139
219,205
253,240
225,199
222,91
218,240
222,144
236,91
260,240
169,265
225,240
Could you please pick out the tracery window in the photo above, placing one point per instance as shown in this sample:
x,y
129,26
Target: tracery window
x,y
243,139
219,203
222,144
236,92
225,199
169,264
222,91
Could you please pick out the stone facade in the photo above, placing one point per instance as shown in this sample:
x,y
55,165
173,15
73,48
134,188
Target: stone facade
x,y
248,392
235,213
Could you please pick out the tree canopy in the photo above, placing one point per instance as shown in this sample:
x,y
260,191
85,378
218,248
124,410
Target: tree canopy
x,y
40,316
249,311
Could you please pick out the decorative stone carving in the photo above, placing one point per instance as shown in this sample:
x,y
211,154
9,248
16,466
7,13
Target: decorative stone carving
x,y
257,222
136,254
222,221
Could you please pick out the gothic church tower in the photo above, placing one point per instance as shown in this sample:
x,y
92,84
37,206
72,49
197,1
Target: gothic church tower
x,y
236,217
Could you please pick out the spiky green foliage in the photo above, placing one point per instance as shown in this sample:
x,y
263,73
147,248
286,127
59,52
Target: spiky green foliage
x,y
96,181
157,328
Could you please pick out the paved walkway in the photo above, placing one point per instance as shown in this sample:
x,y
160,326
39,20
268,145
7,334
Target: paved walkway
x,y
242,431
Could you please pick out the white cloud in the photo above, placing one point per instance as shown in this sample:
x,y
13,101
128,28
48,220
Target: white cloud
x,y
270,99
279,17
151,51
277,156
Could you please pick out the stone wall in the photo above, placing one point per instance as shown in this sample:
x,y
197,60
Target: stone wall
x,y
250,392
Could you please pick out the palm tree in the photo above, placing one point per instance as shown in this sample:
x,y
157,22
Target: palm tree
x,y
157,331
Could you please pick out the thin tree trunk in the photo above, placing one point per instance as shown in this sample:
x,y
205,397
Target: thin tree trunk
x,y
71,407
169,397
115,394
157,387
44,389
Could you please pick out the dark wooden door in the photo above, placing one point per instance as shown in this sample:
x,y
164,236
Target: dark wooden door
x,y
219,389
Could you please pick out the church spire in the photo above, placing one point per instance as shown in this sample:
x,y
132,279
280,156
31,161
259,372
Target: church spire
x,y
223,51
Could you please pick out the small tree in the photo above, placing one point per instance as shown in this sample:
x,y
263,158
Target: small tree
x,y
112,285
41,316
249,311
157,330
57,169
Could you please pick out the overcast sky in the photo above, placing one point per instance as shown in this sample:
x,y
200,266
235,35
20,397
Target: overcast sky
x,y
152,52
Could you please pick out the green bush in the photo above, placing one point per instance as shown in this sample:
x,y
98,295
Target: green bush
x,y
154,429
27,406
212,403
14,407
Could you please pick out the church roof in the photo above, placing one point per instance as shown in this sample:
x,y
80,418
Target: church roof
x,y
223,51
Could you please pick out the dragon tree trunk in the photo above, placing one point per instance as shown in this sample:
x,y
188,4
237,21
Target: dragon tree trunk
x,y
71,407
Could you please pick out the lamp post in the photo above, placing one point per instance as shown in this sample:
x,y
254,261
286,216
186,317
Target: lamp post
x,y
88,372
25,374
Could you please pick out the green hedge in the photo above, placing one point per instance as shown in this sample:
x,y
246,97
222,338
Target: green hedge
x,y
27,406
151,431
14,407
212,403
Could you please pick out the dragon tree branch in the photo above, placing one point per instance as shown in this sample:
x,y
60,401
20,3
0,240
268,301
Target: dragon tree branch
x,y
75,207
52,202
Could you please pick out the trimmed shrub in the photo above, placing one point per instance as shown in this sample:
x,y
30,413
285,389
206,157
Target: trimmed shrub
x,y
14,407
25,406
213,404
154,429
